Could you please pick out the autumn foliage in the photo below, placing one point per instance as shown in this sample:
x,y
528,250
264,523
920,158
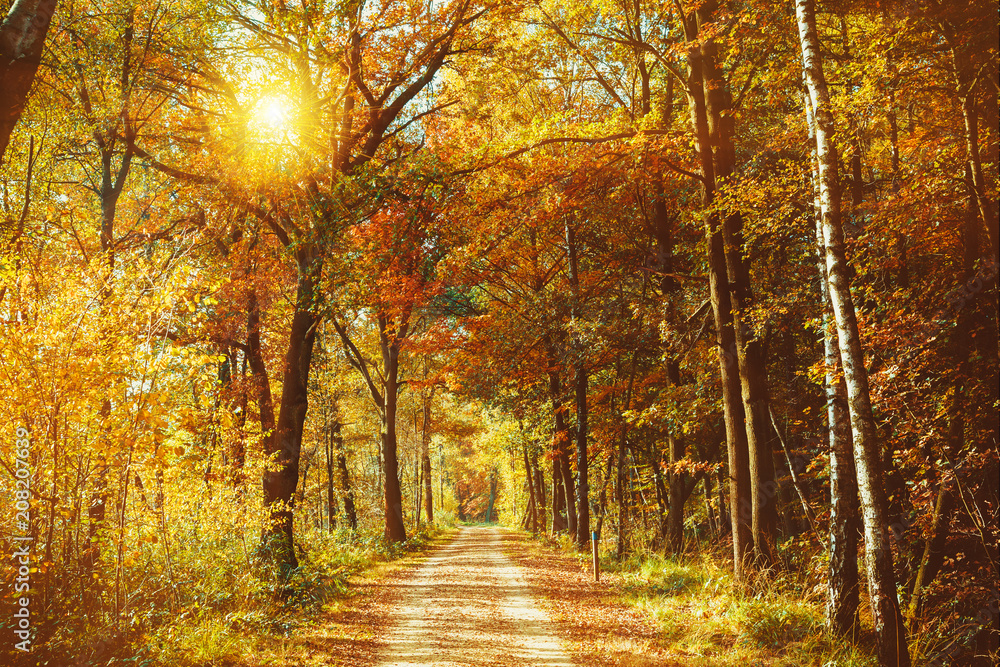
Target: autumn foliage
x,y
280,280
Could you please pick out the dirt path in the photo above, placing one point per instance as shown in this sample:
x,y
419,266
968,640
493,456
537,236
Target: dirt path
x,y
469,604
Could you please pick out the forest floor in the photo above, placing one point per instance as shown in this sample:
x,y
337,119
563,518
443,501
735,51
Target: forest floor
x,y
489,597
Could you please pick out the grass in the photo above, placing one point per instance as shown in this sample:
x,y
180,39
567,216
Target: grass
x,y
264,628
706,619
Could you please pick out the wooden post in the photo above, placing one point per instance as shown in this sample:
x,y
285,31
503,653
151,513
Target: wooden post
x,y
597,564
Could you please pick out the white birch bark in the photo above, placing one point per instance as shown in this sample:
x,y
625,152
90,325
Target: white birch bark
x,y
842,574
889,628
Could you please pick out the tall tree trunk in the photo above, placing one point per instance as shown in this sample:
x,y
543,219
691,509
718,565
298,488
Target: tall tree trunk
x,y
751,351
760,443
842,573
332,506
384,389
345,476
582,483
493,496
390,337
675,495
602,498
531,511
418,491
568,487
733,410
888,621
286,445
539,493
655,465
843,587
903,275
968,86
582,529
22,40
934,551
425,455
558,498
395,530
303,478
620,498
112,184
258,372
560,444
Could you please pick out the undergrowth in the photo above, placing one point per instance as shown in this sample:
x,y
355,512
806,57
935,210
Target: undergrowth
x,y
706,619
271,610
223,611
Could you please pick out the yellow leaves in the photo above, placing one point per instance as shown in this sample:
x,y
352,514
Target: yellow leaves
x,y
196,358
153,416
160,457
188,420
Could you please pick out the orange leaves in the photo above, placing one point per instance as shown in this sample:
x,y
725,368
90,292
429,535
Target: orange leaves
x,y
688,466
394,255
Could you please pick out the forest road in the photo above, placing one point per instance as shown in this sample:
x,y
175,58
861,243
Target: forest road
x,y
469,604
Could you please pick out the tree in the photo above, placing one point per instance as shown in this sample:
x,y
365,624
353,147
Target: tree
x,y
368,100
580,391
546,280
842,590
722,306
889,625
398,279
22,39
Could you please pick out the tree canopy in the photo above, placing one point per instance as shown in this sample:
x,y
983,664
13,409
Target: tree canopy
x,y
272,272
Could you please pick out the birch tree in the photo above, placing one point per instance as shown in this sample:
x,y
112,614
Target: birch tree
x,y
842,589
888,621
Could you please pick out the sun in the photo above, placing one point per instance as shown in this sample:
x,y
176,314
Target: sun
x,y
273,112
271,120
